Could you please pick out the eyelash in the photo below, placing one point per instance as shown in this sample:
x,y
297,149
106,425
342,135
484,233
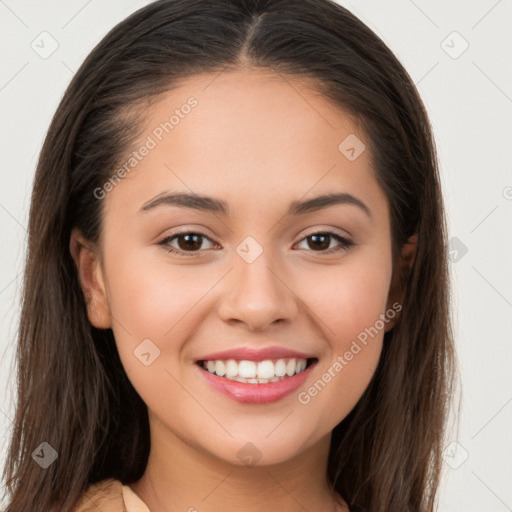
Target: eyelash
x,y
344,243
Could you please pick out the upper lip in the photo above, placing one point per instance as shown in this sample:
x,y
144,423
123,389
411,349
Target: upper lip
x,y
255,354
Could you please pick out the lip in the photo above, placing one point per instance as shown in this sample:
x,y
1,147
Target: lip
x,y
252,354
256,393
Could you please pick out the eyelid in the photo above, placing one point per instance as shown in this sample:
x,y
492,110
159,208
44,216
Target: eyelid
x,y
343,233
188,229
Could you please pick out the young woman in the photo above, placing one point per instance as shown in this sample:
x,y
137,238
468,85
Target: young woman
x,y
236,292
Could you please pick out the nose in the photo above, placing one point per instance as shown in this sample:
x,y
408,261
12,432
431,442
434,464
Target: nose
x,y
258,294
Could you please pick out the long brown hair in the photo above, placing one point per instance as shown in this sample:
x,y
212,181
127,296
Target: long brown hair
x,y
73,393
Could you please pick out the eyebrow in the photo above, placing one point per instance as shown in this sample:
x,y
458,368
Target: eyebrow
x,y
210,204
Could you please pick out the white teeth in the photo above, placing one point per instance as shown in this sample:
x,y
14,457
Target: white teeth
x,y
220,368
231,368
247,369
252,372
280,368
301,365
265,369
290,367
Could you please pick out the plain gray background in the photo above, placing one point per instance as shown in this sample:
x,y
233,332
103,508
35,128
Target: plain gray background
x,y
458,54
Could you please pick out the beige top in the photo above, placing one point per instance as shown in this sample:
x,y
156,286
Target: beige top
x,y
110,495
132,502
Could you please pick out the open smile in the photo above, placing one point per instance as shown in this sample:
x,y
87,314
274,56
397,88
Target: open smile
x,y
250,381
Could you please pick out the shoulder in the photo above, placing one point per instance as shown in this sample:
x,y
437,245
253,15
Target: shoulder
x,y
104,496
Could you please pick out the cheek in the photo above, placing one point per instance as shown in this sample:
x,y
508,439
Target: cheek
x,y
150,300
153,307
347,299
349,305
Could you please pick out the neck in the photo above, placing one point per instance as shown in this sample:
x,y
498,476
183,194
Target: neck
x,y
182,477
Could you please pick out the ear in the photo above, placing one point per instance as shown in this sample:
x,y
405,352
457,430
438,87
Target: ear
x,y
400,276
90,274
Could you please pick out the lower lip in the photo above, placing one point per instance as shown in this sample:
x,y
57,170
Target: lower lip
x,y
256,393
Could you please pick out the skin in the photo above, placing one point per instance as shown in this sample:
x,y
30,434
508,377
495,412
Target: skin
x,y
258,141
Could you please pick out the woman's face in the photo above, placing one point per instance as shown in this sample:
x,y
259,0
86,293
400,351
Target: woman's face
x,y
260,275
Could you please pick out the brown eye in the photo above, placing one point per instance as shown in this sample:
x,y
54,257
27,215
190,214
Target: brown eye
x,y
188,242
321,242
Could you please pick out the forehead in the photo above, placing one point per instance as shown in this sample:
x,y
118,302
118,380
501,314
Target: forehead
x,y
249,136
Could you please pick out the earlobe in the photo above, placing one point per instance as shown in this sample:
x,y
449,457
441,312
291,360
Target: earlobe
x,y
400,276
90,275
